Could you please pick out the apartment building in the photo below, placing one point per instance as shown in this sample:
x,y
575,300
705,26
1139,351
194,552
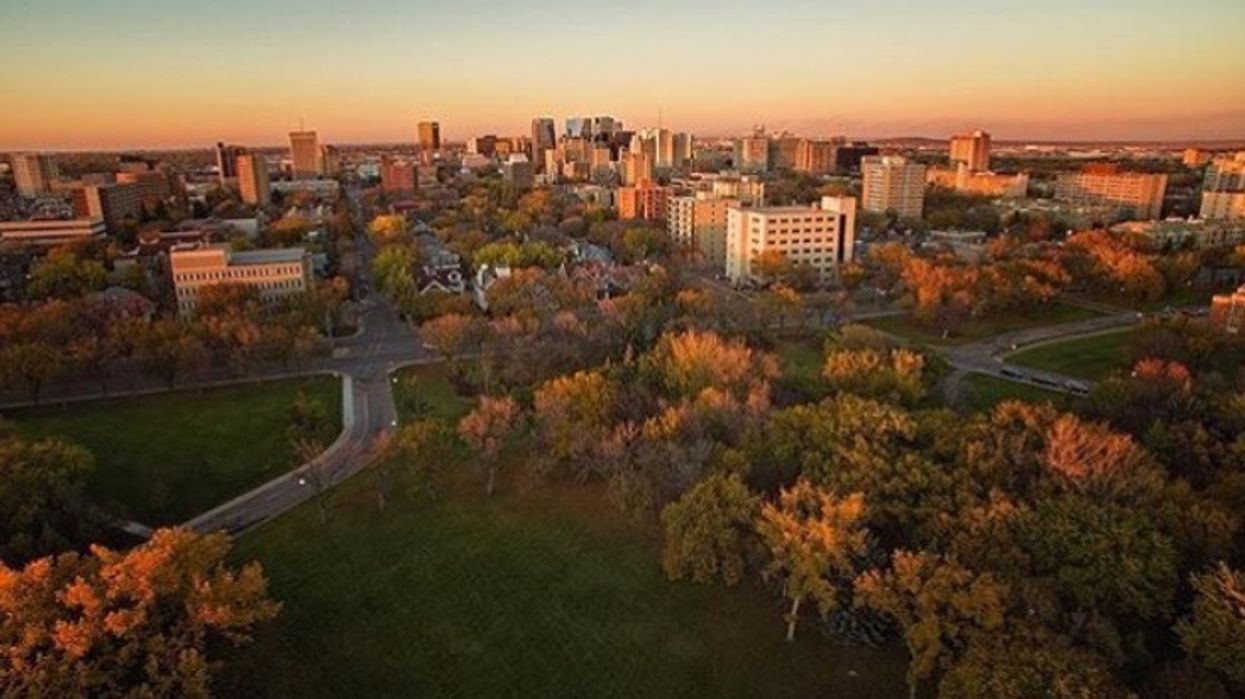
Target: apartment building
x,y
114,203
1223,193
698,223
971,150
33,173
892,183
1137,194
253,184
815,157
305,154
646,201
275,273
822,236
989,184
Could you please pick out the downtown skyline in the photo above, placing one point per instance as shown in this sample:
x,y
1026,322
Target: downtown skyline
x,y
142,74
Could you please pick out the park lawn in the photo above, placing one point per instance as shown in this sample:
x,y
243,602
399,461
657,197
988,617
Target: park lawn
x,y
1093,357
979,329
427,391
168,457
981,392
541,591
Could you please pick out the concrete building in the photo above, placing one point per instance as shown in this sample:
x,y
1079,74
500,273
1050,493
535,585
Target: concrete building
x,y
783,152
227,161
34,173
149,184
1135,194
396,176
114,203
1195,157
305,155
275,273
51,232
815,157
752,153
989,184
330,161
972,150
429,136
518,172
544,138
892,183
1176,233
820,236
1223,206
1223,192
646,201
253,183
1227,312
683,153
698,223
637,168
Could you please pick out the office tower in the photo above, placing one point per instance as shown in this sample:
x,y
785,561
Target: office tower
x,y
483,145
637,168
252,172
752,152
544,138
305,155
578,127
330,161
971,149
227,160
646,201
682,150
33,173
815,157
429,136
1135,194
821,236
891,183
603,127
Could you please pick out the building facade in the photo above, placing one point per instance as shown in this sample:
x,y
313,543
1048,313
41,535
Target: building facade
x,y
1227,312
253,184
51,232
274,273
1136,194
114,203
645,201
698,223
429,136
972,150
893,183
820,236
34,173
1223,193
305,155
989,184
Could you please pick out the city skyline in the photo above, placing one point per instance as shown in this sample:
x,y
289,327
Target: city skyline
x,y
137,73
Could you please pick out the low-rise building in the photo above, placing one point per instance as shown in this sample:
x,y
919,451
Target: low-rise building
x,y
989,184
1136,194
1227,312
1199,233
51,232
820,236
274,273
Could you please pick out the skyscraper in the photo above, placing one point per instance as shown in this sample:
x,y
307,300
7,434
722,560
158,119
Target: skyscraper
x,y
227,160
305,154
429,136
578,127
892,183
752,152
971,149
33,173
544,138
252,173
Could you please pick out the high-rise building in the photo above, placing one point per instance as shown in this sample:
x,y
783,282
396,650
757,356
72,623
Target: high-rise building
x,y
847,157
396,175
253,185
429,136
752,153
1135,194
971,149
815,157
305,155
603,127
637,168
578,127
330,161
485,145
33,173
227,160
646,200
783,152
544,138
698,223
114,203
820,236
892,183
682,150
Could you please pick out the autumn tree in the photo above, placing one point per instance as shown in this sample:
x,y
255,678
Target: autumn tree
x,y
387,229
136,623
169,349
708,531
1018,664
893,375
31,365
451,335
684,364
412,458
939,605
572,414
1214,633
488,430
812,534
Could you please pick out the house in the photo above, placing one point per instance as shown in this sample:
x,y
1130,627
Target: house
x,y
486,277
441,269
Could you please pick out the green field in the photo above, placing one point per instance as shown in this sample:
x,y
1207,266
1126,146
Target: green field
x,y
427,391
903,326
1093,357
168,457
981,392
540,593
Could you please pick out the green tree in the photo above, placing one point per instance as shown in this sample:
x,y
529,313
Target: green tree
x,y
43,496
708,530
64,275
1214,633
31,365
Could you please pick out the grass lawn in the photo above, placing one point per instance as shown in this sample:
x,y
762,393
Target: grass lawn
x,y
1092,357
166,458
982,328
545,593
981,392
428,391
801,359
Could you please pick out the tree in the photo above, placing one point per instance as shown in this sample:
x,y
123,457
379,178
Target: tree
x,y
1214,633
63,275
1020,665
573,414
43,498
450,335
939,605
134,623
811,533
413,456
31,365
394,268
686,363
893,375
708,530
388,228
168,349
488,430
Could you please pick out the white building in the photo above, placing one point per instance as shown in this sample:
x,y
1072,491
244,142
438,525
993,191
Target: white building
x,y
275,273
822,237
892,183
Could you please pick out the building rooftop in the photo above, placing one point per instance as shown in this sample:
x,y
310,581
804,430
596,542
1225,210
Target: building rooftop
x,y
266,257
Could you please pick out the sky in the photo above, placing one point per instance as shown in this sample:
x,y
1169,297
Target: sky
x,y
83,74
